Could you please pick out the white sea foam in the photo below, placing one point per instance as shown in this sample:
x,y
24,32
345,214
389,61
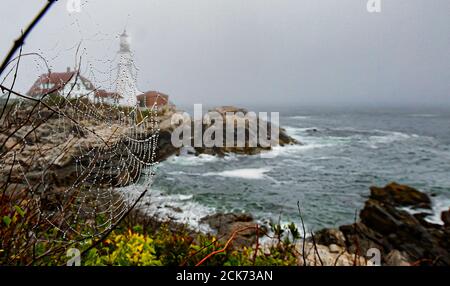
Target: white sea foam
x,y
425,115
293,132
306,143
192,160
299,130
388,138
300,117
178,208
292,149
250,174
440,204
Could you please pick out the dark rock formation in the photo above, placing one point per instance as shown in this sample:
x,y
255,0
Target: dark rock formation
x,y
166,149
400,195
399,235
445,216
226,224
284,138
329,237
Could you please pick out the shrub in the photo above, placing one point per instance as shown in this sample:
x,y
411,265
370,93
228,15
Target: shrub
x,y
128,249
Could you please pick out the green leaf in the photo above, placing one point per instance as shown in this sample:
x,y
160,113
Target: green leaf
x,y
19,211
7,220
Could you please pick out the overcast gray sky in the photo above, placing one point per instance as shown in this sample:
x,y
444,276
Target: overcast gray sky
x,y
294,52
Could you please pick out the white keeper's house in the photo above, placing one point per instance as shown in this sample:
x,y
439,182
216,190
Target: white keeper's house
x,y
65,84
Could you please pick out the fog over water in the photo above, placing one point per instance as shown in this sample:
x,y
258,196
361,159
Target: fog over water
x,y
265,52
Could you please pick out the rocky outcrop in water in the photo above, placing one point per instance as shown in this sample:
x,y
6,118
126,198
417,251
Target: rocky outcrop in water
x,y
236,115
401,237
400,195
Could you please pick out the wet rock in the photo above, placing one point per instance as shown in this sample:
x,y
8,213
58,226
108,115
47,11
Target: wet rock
x,y
8,144
228,113
384,226
445,216
174,208
220,219
334,248
421,217
165,147
400,195
359,238
385,218
330,237
223,110
334,255
397,258
226,224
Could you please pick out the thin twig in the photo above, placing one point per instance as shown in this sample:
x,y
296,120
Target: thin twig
x,y
226,245
356,240
257,245
337,258
304,233
315,248
21,40
12,84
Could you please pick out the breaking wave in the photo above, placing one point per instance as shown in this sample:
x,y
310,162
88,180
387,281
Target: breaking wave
x,y
249,174
178,208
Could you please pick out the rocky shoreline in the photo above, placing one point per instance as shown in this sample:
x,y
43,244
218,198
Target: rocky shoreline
x,y
400,237
50,151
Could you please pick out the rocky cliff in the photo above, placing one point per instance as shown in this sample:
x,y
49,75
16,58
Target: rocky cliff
x,y
234,114
402,238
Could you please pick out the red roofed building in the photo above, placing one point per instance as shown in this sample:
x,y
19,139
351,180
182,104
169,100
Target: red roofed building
x,y
65,84
152,98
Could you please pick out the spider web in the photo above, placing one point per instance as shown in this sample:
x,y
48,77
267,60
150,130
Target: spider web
x,y
129,159
72,154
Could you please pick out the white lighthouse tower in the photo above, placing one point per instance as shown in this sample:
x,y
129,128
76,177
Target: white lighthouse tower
x,y
126,74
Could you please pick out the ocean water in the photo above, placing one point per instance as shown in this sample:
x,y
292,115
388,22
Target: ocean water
x,y
343,154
